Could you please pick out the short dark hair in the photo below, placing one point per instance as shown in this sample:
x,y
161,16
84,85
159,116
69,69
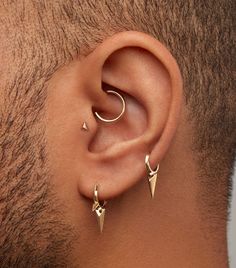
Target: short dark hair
x,y
38,37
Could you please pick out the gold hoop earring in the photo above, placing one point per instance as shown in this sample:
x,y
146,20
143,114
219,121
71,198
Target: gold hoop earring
x,y
122,111
152,175
99,209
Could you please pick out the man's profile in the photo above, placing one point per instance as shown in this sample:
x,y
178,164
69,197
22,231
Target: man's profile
x,y
169,68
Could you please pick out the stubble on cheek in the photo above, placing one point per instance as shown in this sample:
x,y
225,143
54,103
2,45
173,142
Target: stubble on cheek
x,y
33,227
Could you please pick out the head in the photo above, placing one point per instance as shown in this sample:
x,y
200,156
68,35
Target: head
x,y
173,64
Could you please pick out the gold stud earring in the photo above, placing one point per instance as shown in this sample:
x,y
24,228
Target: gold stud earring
x,y
85,127
152,175
99,209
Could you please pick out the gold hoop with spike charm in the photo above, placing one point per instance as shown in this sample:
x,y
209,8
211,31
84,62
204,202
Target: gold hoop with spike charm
x,y
99,209
152,175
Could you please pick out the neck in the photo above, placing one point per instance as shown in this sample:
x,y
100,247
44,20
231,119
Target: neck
x,y
163,232
167,231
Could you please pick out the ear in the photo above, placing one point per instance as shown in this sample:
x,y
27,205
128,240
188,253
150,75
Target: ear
x,y
112,155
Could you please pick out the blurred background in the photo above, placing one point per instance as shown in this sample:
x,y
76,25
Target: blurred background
x,y
232,227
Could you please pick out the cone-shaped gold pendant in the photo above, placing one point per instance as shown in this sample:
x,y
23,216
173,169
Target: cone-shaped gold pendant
x,y
152,175
152,184
100,213
99,209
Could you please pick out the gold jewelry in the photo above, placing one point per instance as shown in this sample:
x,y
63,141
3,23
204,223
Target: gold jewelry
x,y
85,127
99,209
152,175
122,111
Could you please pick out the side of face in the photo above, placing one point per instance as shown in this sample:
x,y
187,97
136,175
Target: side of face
x,y
143,71
49,166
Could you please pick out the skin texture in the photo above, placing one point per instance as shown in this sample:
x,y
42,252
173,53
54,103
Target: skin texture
x,y
169,223
56,64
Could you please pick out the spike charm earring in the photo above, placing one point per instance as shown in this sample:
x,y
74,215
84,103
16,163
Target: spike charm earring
x,y
152,175
99,209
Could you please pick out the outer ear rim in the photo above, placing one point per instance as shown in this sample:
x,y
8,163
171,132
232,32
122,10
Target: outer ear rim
x,y
146,42
152,45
